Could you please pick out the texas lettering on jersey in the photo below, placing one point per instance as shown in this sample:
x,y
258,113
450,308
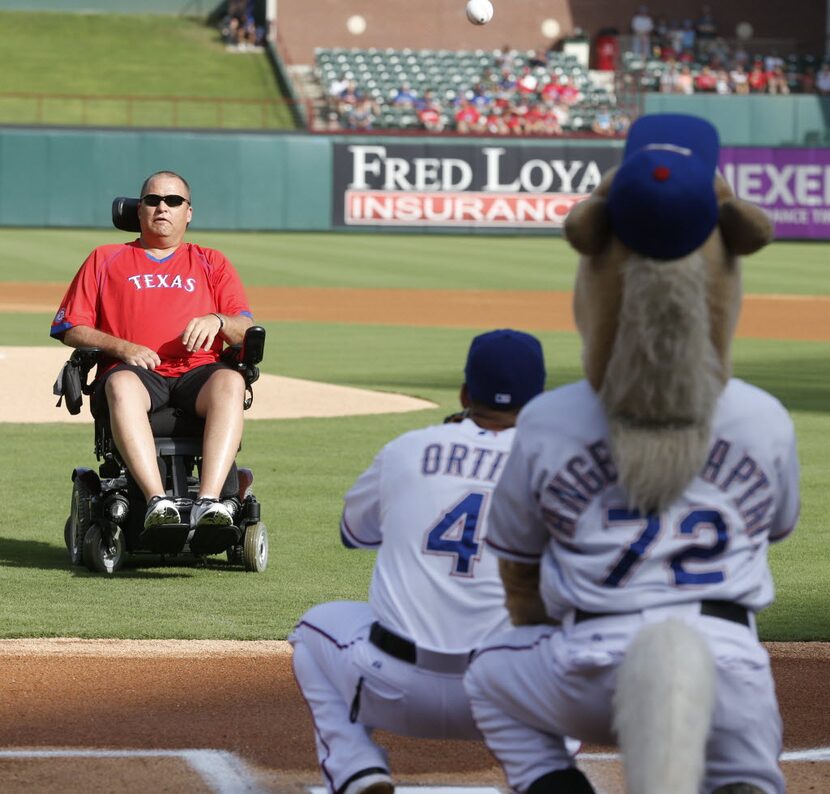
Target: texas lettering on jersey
x,y
160,281
123,291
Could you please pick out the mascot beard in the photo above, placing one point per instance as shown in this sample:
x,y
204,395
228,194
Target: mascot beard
x,y
662,380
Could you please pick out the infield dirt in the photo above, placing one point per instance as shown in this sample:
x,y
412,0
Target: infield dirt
x,y
242,696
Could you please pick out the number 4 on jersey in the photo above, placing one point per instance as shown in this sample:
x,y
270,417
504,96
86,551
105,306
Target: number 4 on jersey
x,y
456,534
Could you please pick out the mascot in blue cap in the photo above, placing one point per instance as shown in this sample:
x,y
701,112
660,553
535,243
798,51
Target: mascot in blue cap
x,y
656,301
637,505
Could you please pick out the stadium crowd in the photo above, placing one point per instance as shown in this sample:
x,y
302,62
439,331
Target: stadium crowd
x,y
516,93
690,56
520,93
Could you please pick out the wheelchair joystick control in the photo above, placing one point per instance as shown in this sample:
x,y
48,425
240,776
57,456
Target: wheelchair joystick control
x,y
253,346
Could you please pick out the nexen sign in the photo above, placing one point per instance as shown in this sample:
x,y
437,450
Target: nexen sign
x,y
463,185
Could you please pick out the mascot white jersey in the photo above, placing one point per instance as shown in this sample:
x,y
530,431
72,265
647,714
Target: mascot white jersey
x,y
638,505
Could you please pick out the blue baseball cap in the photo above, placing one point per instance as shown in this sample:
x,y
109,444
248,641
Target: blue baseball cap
x,y
505,369
662,201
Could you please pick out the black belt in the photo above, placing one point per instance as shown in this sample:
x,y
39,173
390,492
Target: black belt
x,y
725,610
407,651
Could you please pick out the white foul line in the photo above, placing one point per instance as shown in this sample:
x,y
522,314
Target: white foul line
x,y
226,773
221,771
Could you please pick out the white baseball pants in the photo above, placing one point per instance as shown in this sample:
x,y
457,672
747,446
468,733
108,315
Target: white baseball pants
x,y
352,687
534,684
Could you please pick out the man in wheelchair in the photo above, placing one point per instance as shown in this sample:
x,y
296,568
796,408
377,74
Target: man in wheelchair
x,y
159,310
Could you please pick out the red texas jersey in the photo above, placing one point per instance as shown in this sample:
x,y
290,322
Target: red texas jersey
x,y
123,291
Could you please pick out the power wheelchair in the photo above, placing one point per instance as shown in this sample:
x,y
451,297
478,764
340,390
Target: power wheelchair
x,y
106,516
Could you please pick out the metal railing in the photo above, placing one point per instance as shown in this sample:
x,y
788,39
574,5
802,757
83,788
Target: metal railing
x,y
145,111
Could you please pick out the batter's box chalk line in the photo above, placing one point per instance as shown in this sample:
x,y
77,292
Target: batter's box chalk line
x,y
222,772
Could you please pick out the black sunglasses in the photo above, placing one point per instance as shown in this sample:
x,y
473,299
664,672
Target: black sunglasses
x,y
153,200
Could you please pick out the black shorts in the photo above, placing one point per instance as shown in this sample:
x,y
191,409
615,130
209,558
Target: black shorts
x,y
178,392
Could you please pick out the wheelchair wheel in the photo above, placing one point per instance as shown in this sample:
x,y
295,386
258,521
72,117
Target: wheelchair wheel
x,y
77,525
104,552
255,548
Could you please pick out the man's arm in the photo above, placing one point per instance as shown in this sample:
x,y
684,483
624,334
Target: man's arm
x,y
201,331
128,352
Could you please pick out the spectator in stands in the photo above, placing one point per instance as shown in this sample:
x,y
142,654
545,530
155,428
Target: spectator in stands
x,y
777,81
773,60
467,118
660,37
347,98
688,38
603,123
668,78
807,80
494,123
537,59
675,38
338,85
642,26
722,83
567,92
706,31
554,116
503,59
739,56
527,83
739,79
363,114
706,81
430,113
757,78
720,56
823,80
404,97
685,83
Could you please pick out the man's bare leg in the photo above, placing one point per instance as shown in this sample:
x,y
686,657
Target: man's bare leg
x,y
220,402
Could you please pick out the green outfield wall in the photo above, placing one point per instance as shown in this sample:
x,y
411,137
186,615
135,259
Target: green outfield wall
x,y
271,181
761,120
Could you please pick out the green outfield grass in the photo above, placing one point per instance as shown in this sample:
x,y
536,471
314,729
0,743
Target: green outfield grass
x,y
407,261
303,467
95,55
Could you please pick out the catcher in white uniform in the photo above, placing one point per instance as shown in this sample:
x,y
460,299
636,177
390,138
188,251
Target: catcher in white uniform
x,y
640,502
397,662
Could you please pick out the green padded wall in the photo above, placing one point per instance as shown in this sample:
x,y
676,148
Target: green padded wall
x,y
250,181
761,120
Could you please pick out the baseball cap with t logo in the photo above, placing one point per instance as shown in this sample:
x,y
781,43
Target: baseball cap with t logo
x,y
505,369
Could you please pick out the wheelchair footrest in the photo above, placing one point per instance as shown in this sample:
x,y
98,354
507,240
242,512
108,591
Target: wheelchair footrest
x,y
164,539
213,540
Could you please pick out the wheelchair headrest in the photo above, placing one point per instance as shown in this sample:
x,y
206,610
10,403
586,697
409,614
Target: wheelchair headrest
x,y
125,214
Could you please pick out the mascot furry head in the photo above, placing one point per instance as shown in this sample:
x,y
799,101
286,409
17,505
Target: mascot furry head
x,y
657,298
656,301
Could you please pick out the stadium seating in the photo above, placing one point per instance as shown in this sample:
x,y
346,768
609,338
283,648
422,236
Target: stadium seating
x,y
450,75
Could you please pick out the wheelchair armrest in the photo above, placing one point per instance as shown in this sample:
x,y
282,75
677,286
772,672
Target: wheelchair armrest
x,y
85,358
245,356
71,383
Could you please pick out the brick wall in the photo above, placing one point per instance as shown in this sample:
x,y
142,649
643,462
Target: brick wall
x,y
440,24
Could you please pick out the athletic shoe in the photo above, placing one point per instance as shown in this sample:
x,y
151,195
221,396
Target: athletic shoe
x,y
208,512
160,511
369,781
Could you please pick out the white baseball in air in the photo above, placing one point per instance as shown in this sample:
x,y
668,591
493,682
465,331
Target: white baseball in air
x,y
479,12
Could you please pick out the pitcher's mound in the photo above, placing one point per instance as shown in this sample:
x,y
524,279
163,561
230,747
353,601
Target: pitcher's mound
x,y
27,375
